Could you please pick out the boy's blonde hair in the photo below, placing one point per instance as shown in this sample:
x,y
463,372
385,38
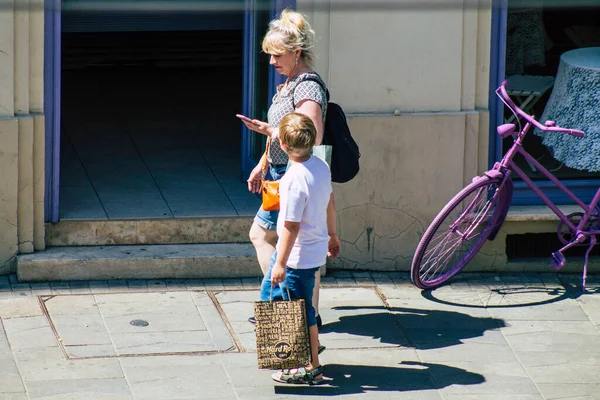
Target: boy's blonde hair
x,y
298,133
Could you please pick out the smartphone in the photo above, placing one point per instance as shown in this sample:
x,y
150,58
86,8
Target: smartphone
x,y
244,118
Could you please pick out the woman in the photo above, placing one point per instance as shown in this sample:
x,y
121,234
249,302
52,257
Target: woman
x,y
289,42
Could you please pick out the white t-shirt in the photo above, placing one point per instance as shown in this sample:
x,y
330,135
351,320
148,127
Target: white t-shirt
x,y
304,193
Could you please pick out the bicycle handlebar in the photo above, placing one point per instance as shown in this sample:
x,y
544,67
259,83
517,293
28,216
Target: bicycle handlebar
x,y
572,132
529,118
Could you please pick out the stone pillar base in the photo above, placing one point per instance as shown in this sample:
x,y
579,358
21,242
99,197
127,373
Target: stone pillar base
x,y
9,170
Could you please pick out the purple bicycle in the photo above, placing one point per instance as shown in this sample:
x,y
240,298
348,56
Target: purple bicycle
x,y
477,212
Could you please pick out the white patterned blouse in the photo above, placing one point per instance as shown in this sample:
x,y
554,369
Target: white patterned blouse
x,y
284,102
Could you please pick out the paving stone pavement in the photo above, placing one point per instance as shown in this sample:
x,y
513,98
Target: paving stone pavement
x,y
484,336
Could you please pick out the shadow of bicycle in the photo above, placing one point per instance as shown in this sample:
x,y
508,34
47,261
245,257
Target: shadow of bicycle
x,y
508,295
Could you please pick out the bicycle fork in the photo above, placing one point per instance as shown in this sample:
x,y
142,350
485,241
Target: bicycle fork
x,y
559,260
475,220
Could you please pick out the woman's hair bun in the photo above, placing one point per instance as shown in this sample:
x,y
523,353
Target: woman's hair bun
x,y
292,19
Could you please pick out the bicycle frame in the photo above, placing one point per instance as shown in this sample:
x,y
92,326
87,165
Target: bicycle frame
x,y
508,163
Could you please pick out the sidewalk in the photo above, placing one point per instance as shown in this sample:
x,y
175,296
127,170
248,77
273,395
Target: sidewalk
x,y
486,336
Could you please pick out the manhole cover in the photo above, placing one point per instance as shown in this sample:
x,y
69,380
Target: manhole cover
x,y
118,324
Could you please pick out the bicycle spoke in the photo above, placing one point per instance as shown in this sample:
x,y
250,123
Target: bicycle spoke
x,y
445,258
482,213
446,254
444,240
442,244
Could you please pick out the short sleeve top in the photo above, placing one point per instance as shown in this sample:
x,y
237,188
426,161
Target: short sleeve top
x,y
285,101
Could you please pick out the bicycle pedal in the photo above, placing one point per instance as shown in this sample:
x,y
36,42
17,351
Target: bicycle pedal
x,y
558,261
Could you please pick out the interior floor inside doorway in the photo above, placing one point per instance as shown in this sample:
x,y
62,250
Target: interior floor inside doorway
x,y
144,142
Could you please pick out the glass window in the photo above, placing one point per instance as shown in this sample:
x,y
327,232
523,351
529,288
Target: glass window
x,y
536,35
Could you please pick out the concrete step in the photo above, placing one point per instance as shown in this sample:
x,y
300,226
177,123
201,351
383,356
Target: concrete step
x,y
213,260
226,229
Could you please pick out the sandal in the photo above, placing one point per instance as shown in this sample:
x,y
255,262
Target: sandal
x,y
315,372
302,376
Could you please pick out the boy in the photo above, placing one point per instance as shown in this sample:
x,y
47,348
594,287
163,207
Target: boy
x,y
307,233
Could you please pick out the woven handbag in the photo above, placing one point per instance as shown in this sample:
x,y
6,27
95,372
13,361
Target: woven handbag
x,y
282,338
269,189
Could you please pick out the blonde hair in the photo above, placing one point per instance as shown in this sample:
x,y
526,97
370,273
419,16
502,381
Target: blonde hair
x,y
298,133
291,31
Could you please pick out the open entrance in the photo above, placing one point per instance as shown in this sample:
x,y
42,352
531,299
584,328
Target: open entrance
x,y
148,127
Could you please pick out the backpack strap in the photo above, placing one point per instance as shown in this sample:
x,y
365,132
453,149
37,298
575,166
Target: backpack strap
x,y
320,84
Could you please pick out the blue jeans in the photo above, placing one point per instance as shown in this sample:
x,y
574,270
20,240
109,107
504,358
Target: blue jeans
x,y
299,282
268,219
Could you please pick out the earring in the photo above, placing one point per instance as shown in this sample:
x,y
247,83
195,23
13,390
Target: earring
x,y
296,61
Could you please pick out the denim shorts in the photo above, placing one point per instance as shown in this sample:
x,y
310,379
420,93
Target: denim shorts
x,y
299,282
268,219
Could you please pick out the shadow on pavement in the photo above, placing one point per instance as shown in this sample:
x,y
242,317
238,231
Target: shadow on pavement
x,y
510,296
408,376
423,329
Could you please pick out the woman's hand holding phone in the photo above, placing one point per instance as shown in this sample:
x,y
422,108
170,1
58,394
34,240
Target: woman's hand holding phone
x,y
256,125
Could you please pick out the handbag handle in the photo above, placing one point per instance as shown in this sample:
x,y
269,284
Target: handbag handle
x,y
264,166
287,289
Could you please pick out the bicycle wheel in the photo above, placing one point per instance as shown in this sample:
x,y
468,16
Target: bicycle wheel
x,y
459,231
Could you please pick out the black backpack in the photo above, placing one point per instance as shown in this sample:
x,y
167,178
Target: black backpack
x,y
345,152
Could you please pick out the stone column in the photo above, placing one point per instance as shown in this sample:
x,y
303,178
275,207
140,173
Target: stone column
x,y
7,59
21,57
21,73
36,56
8,143
9,159
39,181
25,197
36,109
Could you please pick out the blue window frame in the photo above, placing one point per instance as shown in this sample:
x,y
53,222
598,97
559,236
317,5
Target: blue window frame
x,y
584,189
253,103
52,72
